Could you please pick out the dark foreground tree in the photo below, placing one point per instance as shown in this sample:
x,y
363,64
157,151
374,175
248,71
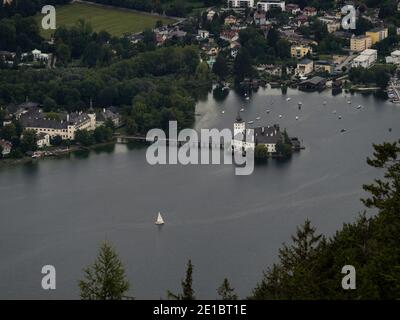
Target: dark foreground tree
x,y
187,289
105,279
312,267
226,292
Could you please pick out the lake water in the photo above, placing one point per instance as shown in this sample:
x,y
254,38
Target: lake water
x,y
58,212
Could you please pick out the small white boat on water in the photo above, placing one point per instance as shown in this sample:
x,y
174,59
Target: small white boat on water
x,y
223,111
340,117
297,117
349,102
280,116
247,98
160,220
359,106
250,122
258,118
268,111
288,99
242,110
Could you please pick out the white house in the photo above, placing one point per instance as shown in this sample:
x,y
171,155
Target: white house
x,y
43,140
267,5
6,147
39,56
243,140
203,34
365,59
394,57
240,4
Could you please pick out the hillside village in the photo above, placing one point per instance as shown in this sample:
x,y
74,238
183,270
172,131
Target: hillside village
x,y
244,43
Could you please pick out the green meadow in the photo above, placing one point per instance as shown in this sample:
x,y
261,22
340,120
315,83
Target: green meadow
x,y
114,21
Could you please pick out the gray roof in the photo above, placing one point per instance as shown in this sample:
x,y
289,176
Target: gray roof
x,y
37,119
263,135
314,80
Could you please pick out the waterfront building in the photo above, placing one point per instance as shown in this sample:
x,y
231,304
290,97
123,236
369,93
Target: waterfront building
x,y
304,67
360,43
43,140
268,136
107,115
323,66
65,127
377,34
313,84
6,147
366,59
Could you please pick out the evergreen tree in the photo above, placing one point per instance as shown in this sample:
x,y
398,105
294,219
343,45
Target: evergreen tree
x,y
220,67
105,279
187,289
226,292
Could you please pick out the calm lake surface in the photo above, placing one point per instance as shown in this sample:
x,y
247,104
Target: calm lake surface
x,y
58,212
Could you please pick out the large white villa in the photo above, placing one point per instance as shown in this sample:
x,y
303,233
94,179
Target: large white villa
x,y
244,140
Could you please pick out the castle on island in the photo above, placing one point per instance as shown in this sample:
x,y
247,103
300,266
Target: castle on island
x,y
268,136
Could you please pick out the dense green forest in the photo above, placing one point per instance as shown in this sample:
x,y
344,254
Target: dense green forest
x,y
310,267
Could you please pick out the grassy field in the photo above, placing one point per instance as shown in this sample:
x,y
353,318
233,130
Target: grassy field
x,y
115,21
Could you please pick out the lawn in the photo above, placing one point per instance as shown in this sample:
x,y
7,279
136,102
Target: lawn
x,y
115,21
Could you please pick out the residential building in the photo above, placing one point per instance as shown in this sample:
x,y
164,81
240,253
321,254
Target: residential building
x,y
43,140
235,47
268,5
203,34
240,4
360,43
377,34
210,15
310,11
229,35
292,8
304,67
65,127
365,59
332,24
107,115
260,18
323,66
243,140
229,20
5,147
300,51
394,57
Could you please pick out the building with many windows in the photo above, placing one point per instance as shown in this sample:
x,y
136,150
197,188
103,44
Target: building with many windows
x,y
65,127
360,43
240,4
377,34
365,59
300,51
268,5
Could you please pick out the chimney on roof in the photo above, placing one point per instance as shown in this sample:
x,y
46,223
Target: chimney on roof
x,y
104,110
68,117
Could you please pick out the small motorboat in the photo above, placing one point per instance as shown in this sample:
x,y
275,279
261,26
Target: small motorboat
x,y
288,99
280,116
268,111
340,117
359,106
242,110
258,118
297,118
223,111
343,131
250,122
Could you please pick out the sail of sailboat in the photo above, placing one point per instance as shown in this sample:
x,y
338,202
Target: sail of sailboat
x,y
160,220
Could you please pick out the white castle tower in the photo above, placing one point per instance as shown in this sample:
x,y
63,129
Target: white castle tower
x,y
239,126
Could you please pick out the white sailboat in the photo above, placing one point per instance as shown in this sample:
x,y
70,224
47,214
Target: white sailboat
x,y
160,220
